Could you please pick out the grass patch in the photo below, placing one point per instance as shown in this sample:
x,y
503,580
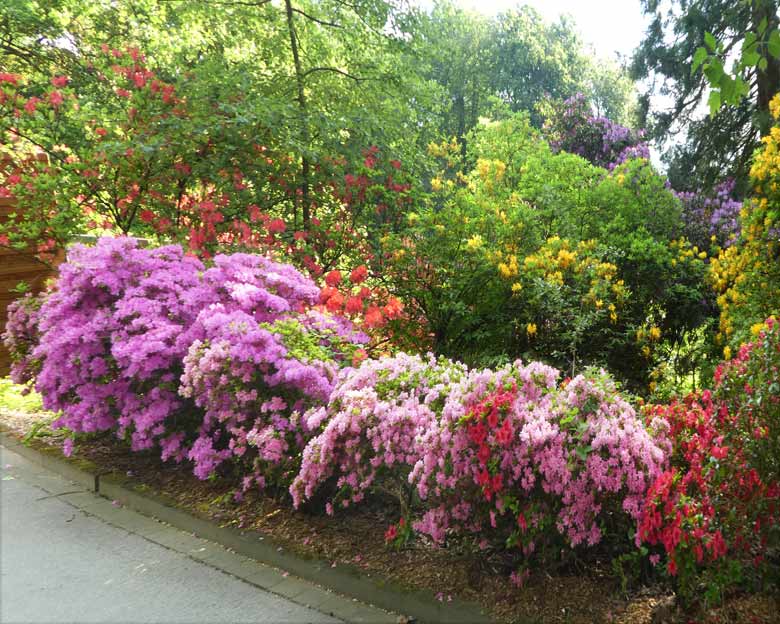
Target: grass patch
x,y
13,397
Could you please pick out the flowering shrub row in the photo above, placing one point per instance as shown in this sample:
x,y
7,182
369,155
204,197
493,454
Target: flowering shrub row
x,y
235,366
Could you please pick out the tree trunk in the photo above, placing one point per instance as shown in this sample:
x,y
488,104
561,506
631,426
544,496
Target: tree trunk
x,y
767,81
304,118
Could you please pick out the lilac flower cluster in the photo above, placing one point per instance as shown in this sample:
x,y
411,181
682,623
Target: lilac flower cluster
x,y
21,336
572,127
711,214
202,362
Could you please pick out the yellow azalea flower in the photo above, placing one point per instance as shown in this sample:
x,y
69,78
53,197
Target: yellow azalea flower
x,y
531,329
436,184
517,287
757,329
727,352
655,333
474,243
646,351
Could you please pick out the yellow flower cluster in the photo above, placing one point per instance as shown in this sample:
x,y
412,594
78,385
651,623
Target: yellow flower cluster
x,y
686,252
746,276
562,263
509,268
490,172
648,336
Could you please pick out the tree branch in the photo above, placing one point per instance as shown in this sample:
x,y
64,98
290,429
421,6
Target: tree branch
x,y
335,71
258,3
315,19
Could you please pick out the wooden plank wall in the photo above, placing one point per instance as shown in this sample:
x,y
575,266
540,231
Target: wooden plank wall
x,y
16,266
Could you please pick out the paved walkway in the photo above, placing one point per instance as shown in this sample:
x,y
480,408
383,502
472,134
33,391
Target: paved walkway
x,y
68,555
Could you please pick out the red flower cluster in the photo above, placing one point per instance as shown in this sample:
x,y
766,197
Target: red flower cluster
x,y
712,505
491,414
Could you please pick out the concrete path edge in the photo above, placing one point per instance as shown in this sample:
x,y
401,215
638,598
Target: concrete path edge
x,y
344,579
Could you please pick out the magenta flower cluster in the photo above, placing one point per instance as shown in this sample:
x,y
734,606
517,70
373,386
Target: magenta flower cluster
x,y
203,363
21,337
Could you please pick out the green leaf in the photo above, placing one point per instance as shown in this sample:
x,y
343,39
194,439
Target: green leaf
x,y
714,71
711,42
728,90
773,44
698,58
762,63
750,59
761,27
714,102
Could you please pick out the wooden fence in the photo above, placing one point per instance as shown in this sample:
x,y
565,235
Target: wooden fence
x,y
17,266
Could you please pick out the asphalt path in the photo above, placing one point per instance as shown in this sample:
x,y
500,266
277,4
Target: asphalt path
x,y
60,563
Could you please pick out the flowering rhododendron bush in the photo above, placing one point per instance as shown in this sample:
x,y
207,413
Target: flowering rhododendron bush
x,y
508,456
715,510
202,362
21,337
255,381
519,459
371,427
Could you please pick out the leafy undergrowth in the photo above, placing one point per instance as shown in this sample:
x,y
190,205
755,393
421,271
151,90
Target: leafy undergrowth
x,y
582,593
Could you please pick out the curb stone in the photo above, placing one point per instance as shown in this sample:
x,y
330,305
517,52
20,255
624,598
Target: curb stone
x,y
344,579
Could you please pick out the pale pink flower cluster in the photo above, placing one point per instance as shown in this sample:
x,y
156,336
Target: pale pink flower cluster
x,y
372,423
507,454
573,451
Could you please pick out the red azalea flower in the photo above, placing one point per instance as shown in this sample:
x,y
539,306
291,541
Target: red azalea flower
x,y
483,454
504,435
55,98
373,317
30,105
359,274
354,305
391,533
719,452
60,81
276,226
335,303
333,278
